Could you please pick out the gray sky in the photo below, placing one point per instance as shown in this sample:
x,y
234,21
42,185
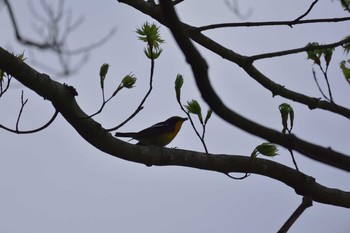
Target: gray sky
x,y
54,181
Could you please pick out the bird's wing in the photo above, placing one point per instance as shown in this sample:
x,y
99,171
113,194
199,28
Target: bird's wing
x,y
126,134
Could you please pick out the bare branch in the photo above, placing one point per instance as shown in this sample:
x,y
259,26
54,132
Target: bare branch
x,y
201,138
33,130
307,12
306,203
23,103
238,178
293,159
318,85
272,23
54,37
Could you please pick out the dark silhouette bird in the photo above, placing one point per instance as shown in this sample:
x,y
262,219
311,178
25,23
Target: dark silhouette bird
x,y
160,134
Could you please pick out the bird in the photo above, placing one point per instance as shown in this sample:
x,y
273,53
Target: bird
x,y
160,134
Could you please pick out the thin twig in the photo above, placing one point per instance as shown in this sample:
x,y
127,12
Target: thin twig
x,y
237,178
140,107
201,138
325,75
272,23
33,130
307,12
23,103
104,102
306,203
318,85
293,159
298,50
203,135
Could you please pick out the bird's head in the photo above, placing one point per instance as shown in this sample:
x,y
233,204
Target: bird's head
x,y
176,119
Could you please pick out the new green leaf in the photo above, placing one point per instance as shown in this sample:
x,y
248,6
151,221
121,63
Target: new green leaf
x,y
287,112
178,84
344,66
194,108
266,149
207,117
103,73
149,33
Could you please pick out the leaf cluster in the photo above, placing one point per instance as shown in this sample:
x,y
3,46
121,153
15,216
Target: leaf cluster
x,y
149,33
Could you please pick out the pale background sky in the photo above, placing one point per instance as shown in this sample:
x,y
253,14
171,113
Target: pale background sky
x,y
54,181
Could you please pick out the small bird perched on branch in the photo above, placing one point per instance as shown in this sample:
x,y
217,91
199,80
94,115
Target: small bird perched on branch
x,y
160,134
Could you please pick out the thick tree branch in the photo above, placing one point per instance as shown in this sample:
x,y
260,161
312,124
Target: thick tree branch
x,y
200,71
275,88
62,98
242,61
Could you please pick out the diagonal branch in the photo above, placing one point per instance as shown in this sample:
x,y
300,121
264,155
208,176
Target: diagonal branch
x,y
200,72
243,61
306,203
307,11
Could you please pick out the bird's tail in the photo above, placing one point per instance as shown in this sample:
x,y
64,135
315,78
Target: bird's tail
x,y
125,135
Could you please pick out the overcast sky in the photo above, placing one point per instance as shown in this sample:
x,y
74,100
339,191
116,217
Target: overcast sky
x,y
53,181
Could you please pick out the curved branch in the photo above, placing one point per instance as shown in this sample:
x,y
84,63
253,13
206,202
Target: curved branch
x,y
62,97
307,11
33,130
242,61
275,88
200,71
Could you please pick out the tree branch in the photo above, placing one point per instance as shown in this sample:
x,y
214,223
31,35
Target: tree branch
x,y
62,98
307,11
33,130
272,23
306,203
298,50
200,72
242,61
55,39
